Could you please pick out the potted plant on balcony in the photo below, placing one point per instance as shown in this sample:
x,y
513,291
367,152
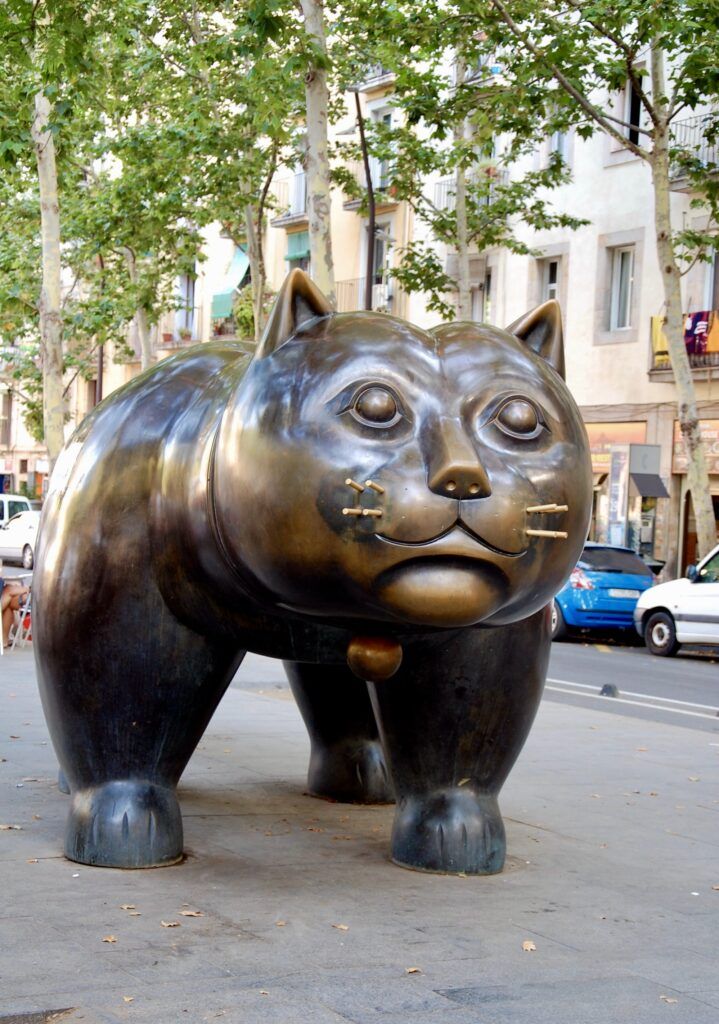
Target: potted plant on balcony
x,y
185,335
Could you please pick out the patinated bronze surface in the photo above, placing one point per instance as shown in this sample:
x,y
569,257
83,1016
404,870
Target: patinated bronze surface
x,y
386,509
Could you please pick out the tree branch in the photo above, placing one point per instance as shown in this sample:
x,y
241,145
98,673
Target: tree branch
x,y
583,102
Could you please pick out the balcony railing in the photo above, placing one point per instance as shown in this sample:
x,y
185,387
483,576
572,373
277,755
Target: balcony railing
x,y
291,198
374,76
444,190
691,135
387,296
701,339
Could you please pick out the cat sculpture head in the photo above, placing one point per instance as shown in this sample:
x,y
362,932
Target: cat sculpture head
x,y
371,471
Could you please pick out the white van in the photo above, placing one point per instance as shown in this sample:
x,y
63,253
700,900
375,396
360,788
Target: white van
x,y
11,504
684,611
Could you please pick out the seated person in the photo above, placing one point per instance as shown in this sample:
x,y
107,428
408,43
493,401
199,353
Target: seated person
x,y
12,596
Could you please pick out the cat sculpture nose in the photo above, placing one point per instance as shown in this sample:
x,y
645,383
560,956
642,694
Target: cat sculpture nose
x,y
454,469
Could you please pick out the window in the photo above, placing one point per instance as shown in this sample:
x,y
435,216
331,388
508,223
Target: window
x,y
185,316
487,311
622,281
558,144
550,280
298,251
381,169
632,113
14,508
709,572
5,417
23,466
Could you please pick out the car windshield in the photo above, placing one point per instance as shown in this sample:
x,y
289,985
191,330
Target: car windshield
x,y
613,560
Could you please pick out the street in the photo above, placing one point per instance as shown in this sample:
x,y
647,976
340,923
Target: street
x,y
683,690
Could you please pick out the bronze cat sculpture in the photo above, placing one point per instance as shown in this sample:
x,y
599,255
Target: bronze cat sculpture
x,y
386,509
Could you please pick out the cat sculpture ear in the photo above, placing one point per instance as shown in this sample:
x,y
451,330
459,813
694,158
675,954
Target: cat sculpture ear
x,y
541,330
298,301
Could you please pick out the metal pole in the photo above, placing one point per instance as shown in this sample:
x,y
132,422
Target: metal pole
x,y
370,208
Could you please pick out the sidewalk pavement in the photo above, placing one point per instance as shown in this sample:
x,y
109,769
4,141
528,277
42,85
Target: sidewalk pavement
x,y
612,882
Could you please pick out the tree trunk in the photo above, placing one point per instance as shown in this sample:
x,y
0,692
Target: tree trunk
x,y
51,325
697,475
464,298
317,163
143,328
257,270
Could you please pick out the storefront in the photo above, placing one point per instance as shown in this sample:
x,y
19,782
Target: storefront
x,y
688,533
627,486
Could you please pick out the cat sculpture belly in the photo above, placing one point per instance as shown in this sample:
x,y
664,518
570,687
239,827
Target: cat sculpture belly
x,y
386,509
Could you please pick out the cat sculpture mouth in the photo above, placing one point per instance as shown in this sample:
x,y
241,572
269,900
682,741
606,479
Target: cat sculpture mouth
x,y
453,540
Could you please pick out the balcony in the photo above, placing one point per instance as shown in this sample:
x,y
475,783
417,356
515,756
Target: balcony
x,y
387,296
380,171
444,190
691,136
702,349
290,195
376,77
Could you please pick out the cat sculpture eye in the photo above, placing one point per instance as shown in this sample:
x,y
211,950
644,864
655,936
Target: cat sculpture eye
x,y
376,406
519,418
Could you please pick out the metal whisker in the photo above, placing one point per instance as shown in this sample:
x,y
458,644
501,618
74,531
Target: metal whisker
x,y
351,511
376,512
374,486
555,534
547,508
353,483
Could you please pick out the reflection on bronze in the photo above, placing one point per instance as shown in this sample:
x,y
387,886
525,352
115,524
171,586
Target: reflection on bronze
x,y
374,658
204,510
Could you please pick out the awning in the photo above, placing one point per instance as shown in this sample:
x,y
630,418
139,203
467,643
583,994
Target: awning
x,y
298,245
649,485
235,275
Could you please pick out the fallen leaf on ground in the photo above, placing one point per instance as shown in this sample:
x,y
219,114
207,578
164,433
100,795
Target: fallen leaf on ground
x,y
311,829
280,924
668,999
127,906
413,970
14,737
528,946
37,817
128,999
343,837
641,748
134,913
32,860
715,888
264,992
10,828
170,924
341,927
192,913
694,778
109,938
463,782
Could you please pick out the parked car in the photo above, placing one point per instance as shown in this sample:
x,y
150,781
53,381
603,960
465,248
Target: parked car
x,y
684,611
602,591
18,537
11,504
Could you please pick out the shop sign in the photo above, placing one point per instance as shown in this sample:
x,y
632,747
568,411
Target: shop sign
x,y
604,436
709,430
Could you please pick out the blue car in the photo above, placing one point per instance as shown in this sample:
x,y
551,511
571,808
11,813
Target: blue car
x,y
602,591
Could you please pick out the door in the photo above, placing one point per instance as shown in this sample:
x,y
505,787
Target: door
x,y
698,611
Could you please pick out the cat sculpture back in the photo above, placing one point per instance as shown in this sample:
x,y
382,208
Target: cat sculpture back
x,y
386,509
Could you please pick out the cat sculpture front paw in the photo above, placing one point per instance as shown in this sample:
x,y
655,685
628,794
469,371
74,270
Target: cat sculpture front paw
x,y
124,824
351,772
450,831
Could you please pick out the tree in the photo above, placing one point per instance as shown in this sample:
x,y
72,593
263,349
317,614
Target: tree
x,y
566,62
447,102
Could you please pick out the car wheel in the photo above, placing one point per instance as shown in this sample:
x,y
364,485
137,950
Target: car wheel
x,y
660,634
559,626
28,558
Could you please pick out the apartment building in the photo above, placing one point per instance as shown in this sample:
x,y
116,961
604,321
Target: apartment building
x,y
605,276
